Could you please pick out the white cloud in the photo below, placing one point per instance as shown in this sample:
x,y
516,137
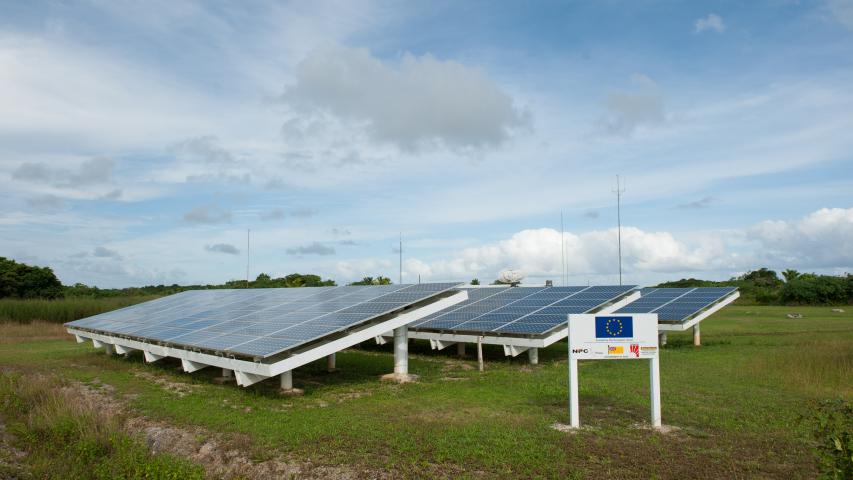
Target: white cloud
x,y
207,215
417,102
226,248
822,239
629,110
314,248
712,22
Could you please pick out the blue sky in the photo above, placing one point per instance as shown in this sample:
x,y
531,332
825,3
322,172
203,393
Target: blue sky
x,y
139,142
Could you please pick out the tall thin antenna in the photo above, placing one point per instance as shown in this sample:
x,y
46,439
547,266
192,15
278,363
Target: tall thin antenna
x,y
401,258
619,191
563,273
248,255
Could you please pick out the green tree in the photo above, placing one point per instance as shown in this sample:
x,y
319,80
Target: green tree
x,y
790,274
475,281
380,280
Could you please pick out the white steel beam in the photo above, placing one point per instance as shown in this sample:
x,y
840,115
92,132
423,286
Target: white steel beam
x,y
513,350
191,366
122,350
439,344
151,357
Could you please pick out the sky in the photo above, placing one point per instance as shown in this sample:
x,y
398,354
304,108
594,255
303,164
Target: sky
x,y
140,141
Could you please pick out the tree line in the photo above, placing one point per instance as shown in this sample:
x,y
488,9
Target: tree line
x,y
766,287
762,286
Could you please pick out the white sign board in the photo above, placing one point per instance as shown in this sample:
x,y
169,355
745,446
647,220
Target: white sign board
x,y
614,337
603,337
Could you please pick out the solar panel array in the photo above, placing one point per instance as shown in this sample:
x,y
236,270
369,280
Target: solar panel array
x,y
676,304
257,322
520,310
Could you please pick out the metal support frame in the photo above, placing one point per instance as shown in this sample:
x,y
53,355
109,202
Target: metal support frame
x,y
331,361
248,372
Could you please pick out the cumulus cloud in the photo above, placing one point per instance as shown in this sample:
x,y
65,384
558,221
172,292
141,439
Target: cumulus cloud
x,y
46,202
104,252
207,215
206,148
703,202
280,213
822,239
94,171
413,103
628,110
712,22
315,248
537,253
358,268
591,214
226,248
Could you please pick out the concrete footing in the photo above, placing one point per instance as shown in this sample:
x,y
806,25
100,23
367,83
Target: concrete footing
x,y
661,338
697,338
460,350
399,377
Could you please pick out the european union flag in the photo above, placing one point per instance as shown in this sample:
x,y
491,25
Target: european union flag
x,y
614,327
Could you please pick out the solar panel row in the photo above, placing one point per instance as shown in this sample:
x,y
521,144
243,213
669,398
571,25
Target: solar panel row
x,y
677,304
520,310
257,322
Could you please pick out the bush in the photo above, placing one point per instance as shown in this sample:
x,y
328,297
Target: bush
x,y
810,289
832,430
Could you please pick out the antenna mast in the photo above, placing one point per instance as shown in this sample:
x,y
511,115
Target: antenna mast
x,y
619,191
401,258
248,255
563,272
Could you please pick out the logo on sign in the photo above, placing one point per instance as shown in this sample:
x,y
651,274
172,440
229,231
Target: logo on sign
x,y
580,350
614,327
615,350
635,349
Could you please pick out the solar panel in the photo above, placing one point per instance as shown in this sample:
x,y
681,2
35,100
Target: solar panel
x,y
257,322
520,310
677,304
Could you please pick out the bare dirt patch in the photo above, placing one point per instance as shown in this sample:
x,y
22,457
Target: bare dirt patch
x,y
178,388
221,457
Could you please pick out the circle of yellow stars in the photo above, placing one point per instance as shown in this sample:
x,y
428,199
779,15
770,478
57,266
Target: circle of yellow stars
x,y
613,332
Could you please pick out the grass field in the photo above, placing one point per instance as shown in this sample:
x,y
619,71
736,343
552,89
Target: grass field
x,y
62,310
735,404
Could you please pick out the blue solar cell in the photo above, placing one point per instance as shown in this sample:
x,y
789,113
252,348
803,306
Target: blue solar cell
x,y
264,346
513,304
526,328
677,304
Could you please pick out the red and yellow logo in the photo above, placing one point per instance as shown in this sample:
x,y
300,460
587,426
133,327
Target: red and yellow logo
x,y
617,350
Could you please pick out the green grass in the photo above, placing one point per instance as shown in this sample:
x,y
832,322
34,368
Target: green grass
x,y
62,310
736,401
66,437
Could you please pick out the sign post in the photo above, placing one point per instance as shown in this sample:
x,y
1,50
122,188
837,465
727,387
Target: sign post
x,y
614,337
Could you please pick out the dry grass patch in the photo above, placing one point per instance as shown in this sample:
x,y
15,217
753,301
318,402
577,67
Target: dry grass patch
x,y
13,332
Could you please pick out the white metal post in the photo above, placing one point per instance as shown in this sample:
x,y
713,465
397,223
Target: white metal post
x,y
697,341
574,404
480,353
533,354
401,350
330,362
109,348
654,387
287,380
